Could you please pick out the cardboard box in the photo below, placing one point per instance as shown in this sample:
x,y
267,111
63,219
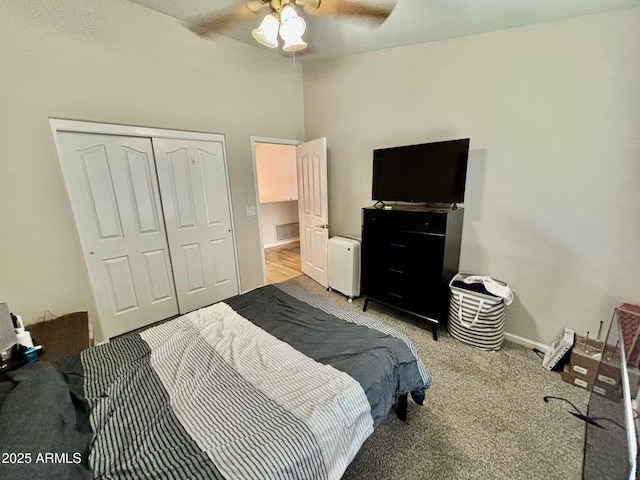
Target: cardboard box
x,y
586,373
585,359
612,392
609,373
579,381
587,369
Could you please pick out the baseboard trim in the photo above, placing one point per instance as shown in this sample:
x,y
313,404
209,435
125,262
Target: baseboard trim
x,y
525,342
282,242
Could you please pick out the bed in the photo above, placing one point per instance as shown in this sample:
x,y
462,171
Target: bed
x,y
275,383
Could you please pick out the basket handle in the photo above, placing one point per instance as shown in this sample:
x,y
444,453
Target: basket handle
x,y
475,318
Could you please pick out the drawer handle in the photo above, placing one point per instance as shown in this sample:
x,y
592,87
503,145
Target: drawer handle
x,y
394,295
395,270
397,245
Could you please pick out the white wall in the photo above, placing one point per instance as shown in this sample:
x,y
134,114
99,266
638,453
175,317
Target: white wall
x,y
276,213
117,62
276,171
277,188
553,113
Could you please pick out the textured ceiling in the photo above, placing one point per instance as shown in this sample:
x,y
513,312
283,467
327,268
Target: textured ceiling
x,y
412,21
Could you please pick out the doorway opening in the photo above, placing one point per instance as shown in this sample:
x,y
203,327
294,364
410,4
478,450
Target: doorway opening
x,y
277,193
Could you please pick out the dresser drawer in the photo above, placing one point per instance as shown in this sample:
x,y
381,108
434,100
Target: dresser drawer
x,y
402,250
405,220
390,278
424,298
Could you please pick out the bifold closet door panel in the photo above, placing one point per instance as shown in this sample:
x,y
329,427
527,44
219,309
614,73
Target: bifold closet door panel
x,y
192,175
113,190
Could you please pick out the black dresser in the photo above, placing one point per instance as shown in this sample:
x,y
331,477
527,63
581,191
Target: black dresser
x,y
409,255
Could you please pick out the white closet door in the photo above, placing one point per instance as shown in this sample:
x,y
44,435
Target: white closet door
x,y
114,195
192,176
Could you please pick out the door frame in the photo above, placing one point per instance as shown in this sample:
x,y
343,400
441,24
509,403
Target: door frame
x,y
276,141
79,126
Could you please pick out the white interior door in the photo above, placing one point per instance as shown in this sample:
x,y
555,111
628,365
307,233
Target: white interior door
x,y
114,194
193,183
313,208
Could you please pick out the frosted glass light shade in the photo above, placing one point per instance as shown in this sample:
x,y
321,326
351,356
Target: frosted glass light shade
x,y
267,33
287,13
291,30
294,44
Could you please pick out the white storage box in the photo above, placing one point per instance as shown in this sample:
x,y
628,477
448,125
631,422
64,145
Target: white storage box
x,y
344,266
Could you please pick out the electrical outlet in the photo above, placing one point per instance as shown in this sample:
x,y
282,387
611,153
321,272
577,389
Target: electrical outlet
x,y
251,210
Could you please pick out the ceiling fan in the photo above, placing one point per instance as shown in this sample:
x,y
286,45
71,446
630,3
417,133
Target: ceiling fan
x,y
282,19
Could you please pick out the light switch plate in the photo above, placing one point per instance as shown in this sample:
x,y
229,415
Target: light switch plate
x,y
251,210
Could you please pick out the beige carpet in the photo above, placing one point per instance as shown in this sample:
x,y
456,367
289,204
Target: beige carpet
x,y
484,417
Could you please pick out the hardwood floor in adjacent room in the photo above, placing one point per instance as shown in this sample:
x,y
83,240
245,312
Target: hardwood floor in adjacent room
x,y
282,262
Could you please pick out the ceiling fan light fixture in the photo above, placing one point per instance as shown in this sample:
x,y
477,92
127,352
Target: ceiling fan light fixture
x,y
291,30
294,45
287,13
267,33
293,27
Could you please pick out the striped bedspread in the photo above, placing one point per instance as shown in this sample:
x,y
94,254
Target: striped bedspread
x,y
270,384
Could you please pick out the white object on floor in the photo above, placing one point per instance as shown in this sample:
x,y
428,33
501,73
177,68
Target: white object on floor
x,y
344,266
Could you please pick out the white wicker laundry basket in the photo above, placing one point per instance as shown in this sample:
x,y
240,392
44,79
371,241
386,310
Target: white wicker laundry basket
x,y
476,318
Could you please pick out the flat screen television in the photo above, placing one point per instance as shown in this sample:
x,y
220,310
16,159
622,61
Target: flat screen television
x,y
428,172
610,443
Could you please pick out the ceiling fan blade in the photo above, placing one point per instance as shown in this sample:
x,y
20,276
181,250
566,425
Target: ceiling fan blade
x,y
223,19
377,12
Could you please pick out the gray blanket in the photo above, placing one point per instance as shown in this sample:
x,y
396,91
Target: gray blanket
x,y
383,364
44,429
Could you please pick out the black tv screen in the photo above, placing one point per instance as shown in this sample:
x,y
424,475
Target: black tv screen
x,y
428,172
